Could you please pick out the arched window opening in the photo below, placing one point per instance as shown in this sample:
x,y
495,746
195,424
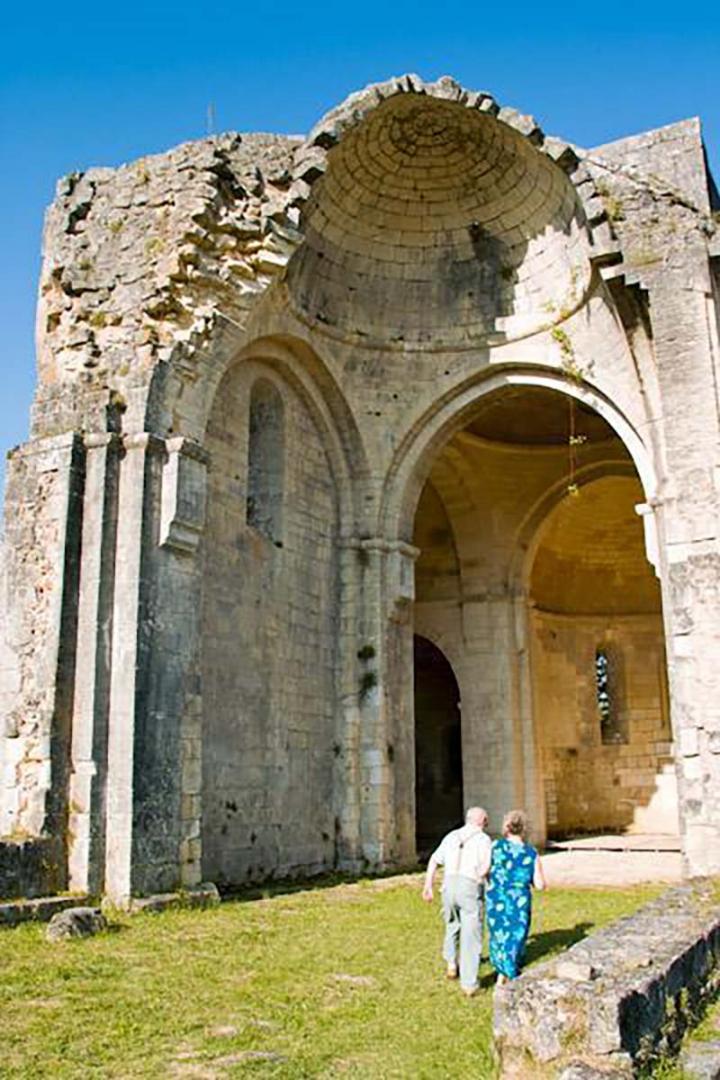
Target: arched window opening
x,y
612,727
266,461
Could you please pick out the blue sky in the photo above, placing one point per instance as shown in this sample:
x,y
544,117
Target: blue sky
x,y
84,85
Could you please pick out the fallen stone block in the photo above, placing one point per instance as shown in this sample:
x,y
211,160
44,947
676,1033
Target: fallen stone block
x,y
77,922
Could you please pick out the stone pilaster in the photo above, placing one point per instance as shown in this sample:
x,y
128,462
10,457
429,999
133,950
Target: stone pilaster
x,y
86,820
690,549
129,638
493,748
154,739
375,777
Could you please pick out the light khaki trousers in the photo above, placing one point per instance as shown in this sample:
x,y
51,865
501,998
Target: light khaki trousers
x,y
462,908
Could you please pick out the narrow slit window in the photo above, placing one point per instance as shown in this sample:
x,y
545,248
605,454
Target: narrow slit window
x,y
612,728
266,461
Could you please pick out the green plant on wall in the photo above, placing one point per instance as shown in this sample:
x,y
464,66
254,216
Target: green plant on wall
x,y
575,440
568,360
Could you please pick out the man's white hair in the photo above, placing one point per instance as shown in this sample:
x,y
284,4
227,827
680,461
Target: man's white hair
x,y
476,816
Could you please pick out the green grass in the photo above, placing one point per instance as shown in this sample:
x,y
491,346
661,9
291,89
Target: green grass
x,y
330,982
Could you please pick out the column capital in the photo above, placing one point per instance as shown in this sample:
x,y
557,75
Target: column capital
x,y
143,440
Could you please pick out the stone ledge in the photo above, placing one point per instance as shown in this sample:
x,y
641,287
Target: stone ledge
x,y
197,896
39,910
621,997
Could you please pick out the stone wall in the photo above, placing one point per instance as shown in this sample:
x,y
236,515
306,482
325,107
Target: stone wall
x,y
41,564
32,868
269,650
620,998
592,786
661,197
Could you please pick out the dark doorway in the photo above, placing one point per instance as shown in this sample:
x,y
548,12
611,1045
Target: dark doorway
x,y
438,748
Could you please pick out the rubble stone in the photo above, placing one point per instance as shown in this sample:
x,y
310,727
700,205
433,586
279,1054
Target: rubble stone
x,y
75,922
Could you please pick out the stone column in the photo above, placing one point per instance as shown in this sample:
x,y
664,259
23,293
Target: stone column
x,y
86,821
493,747
346,777
400,694
531,792
129,613
177,697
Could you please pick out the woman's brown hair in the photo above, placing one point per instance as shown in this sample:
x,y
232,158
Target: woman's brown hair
x,y
515,823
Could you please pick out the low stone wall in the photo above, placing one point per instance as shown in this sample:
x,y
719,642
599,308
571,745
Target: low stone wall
x,y
33,868
617,999
40,910
195,896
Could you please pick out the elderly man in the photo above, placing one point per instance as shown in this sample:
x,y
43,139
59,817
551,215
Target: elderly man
x,y
465,856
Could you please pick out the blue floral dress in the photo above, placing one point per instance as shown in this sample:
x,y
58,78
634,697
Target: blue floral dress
x,y
508,903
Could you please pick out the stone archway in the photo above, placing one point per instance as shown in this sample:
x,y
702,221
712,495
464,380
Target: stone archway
x,y
487,489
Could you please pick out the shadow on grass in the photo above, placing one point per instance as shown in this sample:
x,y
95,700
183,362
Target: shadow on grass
x,y
551,942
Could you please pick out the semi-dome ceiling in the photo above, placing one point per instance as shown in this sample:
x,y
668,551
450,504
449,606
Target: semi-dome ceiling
x,y
535,416
438,224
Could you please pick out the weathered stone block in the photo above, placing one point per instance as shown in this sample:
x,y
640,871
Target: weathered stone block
x,y
75,922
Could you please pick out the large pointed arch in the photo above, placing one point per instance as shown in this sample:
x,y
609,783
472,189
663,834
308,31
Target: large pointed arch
x,y
413,459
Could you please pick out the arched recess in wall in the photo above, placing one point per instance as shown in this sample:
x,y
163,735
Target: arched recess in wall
x,y
266,461
269,630
185,391
597,662
508,435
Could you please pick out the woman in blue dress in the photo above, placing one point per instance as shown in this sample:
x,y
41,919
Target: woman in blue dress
x,y
515,868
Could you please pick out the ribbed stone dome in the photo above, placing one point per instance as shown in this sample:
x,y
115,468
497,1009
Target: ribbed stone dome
x,y
438,224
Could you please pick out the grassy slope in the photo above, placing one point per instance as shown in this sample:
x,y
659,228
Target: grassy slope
x,y
344,981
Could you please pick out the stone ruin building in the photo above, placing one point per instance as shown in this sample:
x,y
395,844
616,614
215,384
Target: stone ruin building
x,y
371,473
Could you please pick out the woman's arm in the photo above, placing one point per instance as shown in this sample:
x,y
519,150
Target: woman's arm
x,y
539,880
484,861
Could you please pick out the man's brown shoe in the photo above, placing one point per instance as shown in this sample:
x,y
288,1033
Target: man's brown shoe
x,y
451,972
469,991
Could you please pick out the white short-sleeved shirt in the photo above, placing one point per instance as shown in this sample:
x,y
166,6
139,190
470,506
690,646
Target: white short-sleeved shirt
x,y
464,851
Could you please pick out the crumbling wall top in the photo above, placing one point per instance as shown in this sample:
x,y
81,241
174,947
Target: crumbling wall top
x,y
137,260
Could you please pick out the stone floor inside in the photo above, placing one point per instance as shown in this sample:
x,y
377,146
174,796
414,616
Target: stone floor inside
x,y
624,859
